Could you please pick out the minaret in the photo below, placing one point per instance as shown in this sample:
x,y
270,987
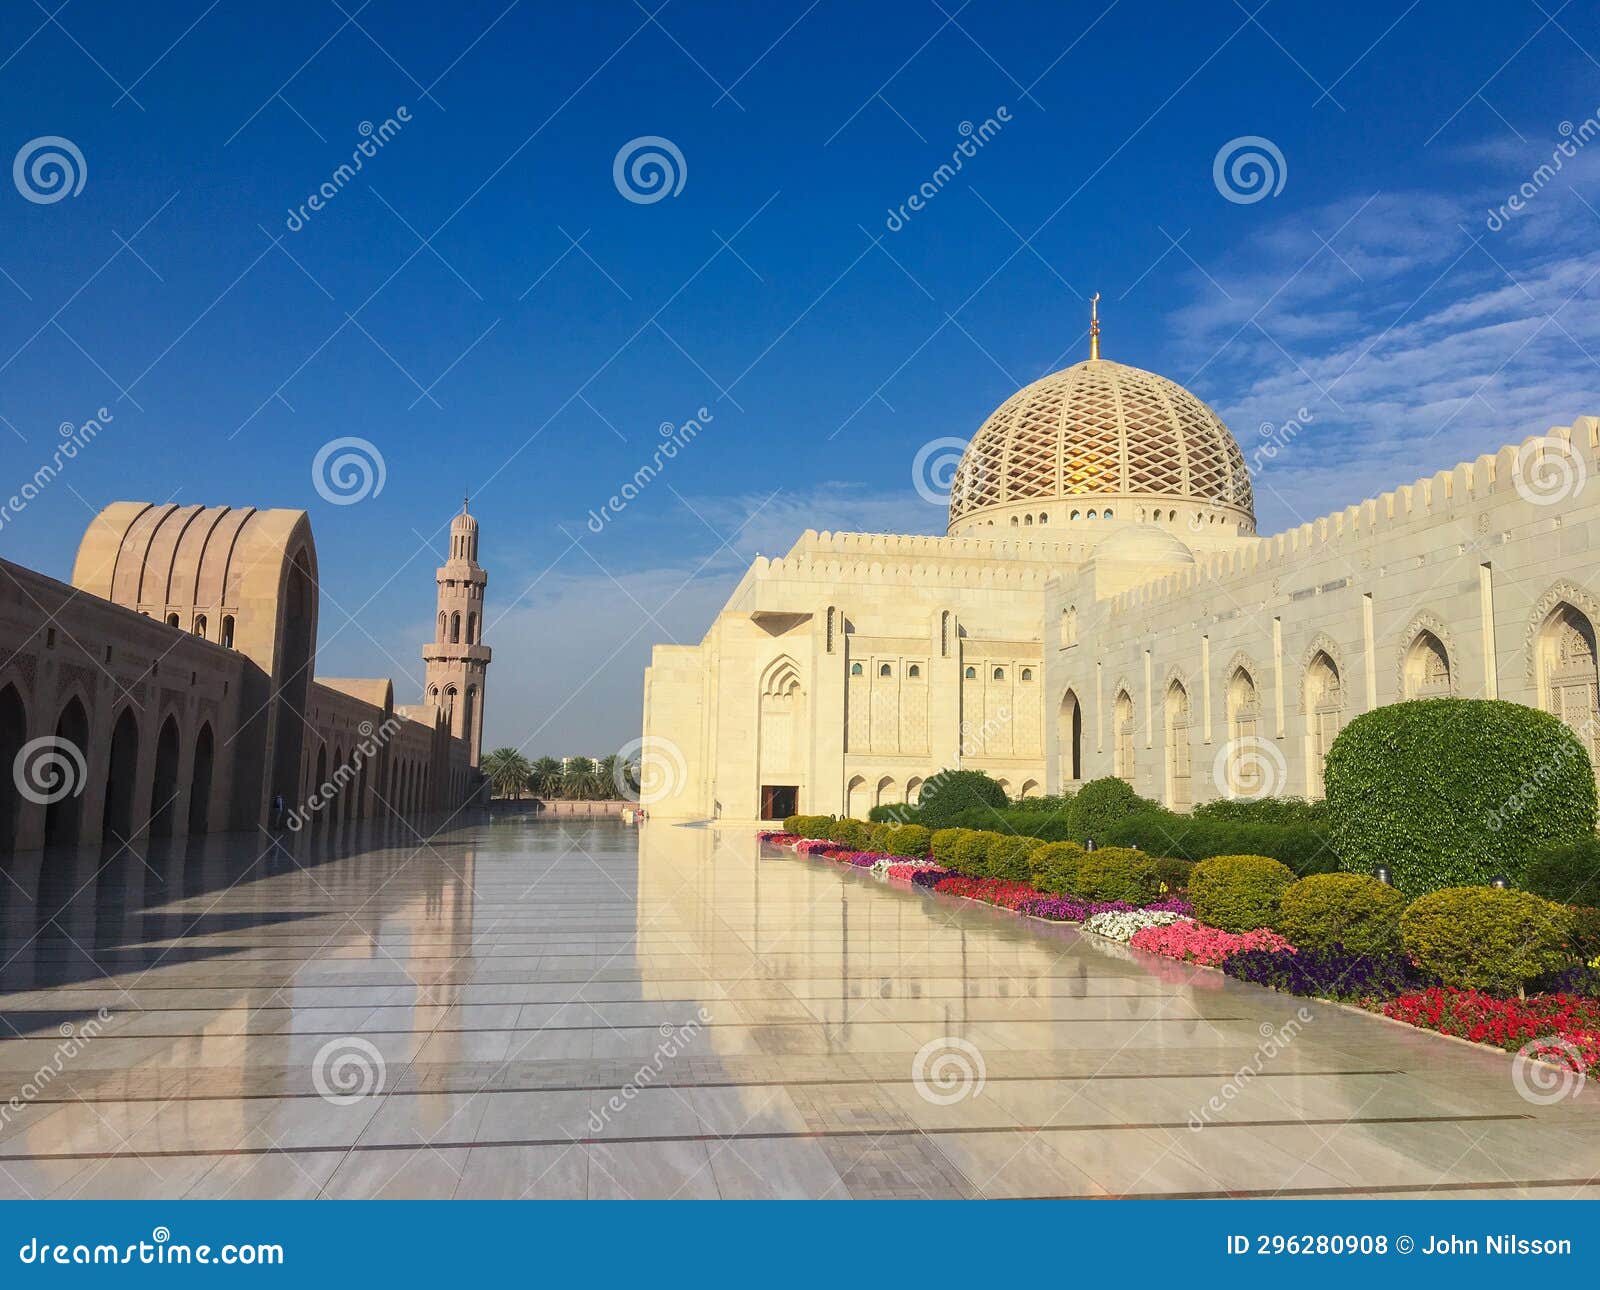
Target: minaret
x,y
457,660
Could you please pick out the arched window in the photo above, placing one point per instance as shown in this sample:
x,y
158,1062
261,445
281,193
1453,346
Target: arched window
x,y
1176,711
1093,515
1028,521
1122,733
971,674
172,620
913,671
472,628
1027,674
1427,668
1069,626
227,630
885,670
1324,701
200,626
1108,514
1247,767
855,669
1069,735
1015,522
455,628
1076,515
1569,682
999,674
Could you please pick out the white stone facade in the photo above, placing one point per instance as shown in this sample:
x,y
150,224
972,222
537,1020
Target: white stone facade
x,y
1159,640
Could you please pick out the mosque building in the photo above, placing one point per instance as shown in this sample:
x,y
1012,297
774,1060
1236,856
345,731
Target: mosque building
x,y
1102,604
170,689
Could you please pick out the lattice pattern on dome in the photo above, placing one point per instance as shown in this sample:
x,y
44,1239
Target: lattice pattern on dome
x,y
1101,429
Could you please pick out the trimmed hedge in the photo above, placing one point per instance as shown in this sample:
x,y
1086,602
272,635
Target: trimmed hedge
x,y
1008,857
970,854
1346,909
1055,867
1451,792
1280,811
1304,848
947,794
942,845
1485,939
1569,874
909,840
849,833
1117,873
1040,825
808,826
1238,893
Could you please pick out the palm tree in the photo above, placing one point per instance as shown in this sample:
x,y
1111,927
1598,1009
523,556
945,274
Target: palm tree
x,y
581,780
612,773
508,771
546,777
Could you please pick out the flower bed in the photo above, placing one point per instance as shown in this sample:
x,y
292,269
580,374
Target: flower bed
x,y
1197,943
1123,924
1058,909
995,891
907,870
1331,973
1508,1023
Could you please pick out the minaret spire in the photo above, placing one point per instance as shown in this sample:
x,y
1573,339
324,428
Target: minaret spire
x,y
1094,326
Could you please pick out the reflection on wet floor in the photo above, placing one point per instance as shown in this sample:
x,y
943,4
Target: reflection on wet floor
x,y
570,1009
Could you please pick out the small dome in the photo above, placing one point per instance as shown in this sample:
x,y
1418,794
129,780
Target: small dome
x,y
1143,544
464,523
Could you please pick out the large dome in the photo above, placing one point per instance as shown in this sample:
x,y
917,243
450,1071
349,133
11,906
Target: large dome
x,y
1101,441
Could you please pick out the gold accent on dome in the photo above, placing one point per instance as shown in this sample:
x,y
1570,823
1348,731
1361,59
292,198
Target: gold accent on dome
x,y
1094,327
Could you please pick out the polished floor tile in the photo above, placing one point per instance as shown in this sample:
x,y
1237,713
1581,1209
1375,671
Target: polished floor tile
x,y
568,1010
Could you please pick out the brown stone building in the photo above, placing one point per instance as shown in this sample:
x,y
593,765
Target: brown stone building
x,y
171,689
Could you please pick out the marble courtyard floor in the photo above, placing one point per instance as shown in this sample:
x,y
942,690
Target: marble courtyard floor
x,y
579,1009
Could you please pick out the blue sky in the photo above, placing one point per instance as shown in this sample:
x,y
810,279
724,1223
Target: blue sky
x,y
485,306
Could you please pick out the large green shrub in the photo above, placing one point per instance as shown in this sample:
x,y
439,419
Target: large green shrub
x,y
1042,825
1482,938
1569,874
1053,804
950,792
1054,866
1450,792
971,854
808,826
1101,803
1238,893
1304,848
1008,857
1585,942
1117,873
849,833
909,840
942,846
1348,909
1172,874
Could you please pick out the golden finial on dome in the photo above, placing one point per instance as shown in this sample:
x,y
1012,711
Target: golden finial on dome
x,y
1094,326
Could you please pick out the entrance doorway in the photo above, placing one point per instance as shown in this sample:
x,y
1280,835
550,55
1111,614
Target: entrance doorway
x,y
779,801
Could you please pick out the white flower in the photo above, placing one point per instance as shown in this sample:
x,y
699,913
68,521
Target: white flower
x,y
1120,925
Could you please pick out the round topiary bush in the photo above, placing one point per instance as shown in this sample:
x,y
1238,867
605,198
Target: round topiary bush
x,y
1008,857
1117,873
1569,874
909,840
1484,939
849,833
1348,909
942,845
1238,893
971,854
946,795
1451,792
1054,866
1101,803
